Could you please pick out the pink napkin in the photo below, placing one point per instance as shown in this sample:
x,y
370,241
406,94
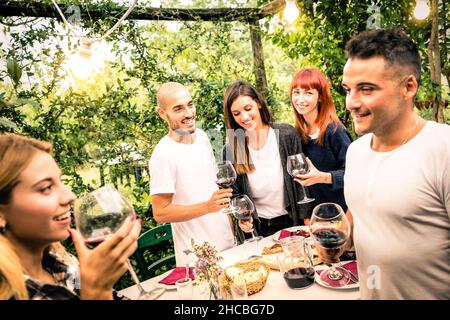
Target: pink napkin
x,y
350,266
176,274
286,233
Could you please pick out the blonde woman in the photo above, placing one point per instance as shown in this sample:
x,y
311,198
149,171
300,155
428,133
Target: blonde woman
x,y
34,216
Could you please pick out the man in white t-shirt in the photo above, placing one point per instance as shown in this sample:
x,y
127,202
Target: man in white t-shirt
x,y
397,178
182,182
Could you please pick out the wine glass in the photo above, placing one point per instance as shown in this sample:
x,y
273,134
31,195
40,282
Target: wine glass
x,y
243,208
330,230
98,215
296,166
225,178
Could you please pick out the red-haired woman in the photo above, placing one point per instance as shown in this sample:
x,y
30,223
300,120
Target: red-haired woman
x,y
324,138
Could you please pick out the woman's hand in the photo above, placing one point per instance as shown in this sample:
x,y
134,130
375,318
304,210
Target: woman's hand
x,y
246,225
101,267
314,176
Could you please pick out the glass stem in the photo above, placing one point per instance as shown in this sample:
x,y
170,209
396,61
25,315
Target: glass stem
x,y
135,277
304,192
334,274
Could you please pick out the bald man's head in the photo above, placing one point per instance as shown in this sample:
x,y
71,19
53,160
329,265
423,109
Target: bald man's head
x,y
166,91
176,107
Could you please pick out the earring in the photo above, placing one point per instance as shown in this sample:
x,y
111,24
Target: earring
x,y
2,224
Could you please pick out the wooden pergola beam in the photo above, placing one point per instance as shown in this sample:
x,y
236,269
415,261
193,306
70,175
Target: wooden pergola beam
x,y
47,10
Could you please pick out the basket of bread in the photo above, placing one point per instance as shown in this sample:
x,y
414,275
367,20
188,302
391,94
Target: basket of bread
x,y
253,271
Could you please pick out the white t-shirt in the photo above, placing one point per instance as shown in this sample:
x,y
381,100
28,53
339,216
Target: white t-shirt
x,y
266,182
188,172
400,201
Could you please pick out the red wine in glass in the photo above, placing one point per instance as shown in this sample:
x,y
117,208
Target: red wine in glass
x,y
330,229
225,178
224,183
331,240
243,214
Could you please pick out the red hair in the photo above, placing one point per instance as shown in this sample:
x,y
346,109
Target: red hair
x,y
311,78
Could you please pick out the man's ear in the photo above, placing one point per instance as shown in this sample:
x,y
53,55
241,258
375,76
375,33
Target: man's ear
x,y
410,87
161,112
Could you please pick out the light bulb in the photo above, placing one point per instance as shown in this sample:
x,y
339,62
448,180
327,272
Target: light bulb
x,y
290,12
81,63
422,10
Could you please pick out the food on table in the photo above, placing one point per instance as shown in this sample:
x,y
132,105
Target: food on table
x,y
276,248
253,271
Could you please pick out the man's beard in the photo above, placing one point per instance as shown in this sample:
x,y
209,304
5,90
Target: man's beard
x,y
181,131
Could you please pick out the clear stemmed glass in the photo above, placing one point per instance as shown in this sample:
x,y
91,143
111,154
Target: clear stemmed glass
x,y
225,178
98,215
296,166
243,208
330,230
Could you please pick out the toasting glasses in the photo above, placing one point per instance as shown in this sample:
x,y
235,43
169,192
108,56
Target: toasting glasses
x,y
98,215
296,166
225,178
330,229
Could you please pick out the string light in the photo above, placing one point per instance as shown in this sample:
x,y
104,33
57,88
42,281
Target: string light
x,y
81,64
422,10
290,12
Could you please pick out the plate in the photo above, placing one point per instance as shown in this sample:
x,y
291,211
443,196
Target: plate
x,y
324,284
276,235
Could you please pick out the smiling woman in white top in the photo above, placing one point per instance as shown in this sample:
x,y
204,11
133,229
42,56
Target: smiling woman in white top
x,y
258,149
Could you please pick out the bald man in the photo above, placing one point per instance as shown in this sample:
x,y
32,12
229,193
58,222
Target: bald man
x,y
182,184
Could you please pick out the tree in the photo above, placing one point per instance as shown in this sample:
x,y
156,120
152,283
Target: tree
x,y
323,28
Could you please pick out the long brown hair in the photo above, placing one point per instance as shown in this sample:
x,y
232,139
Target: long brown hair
x,y
311,78
236,136
15,154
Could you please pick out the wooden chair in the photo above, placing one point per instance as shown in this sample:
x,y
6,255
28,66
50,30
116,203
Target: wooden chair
x,y
149,240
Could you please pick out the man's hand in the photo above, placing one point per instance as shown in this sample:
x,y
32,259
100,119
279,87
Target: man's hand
x,y
219,200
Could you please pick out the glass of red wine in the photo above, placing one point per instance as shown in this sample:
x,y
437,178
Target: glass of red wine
x,y
330,230
243,208
98,215
296,166
225,178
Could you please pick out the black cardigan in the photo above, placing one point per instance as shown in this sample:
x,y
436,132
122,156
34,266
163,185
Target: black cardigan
x,y
289,143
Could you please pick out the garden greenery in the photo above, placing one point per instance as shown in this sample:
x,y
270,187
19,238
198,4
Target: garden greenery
x,y
99,122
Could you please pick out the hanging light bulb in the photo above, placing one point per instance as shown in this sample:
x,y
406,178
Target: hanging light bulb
x,y
80,64
290,12
422,10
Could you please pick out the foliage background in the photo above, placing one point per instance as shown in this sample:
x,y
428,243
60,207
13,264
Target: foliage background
x,y
89,122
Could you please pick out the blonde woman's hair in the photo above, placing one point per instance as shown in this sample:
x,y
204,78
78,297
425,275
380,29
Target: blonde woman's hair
x,y
12,282
15,154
